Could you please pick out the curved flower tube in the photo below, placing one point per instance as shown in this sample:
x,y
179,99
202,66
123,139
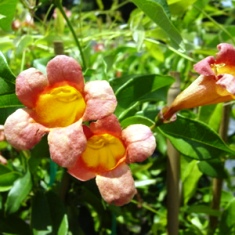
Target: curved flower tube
x,y
57,104
216,83
109,150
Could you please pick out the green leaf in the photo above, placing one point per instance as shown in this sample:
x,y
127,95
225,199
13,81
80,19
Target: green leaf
x,y
6,87
9,101
5,72
211,114
203,209
7,9
40,151
2,16
6,43
14,225
140,88
212,168
19,191
180,6
41,218
59,218
137,120
190,177
5,112
22,44
227,224
157,10
144,183
41,64
7,178
194,139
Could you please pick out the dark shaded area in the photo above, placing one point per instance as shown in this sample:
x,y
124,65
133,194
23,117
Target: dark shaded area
x,y
43,6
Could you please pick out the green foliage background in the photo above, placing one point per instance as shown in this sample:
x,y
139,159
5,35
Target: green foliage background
x,y
137,57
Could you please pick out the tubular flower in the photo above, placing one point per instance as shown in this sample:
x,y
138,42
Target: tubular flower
x,y
57,104
109,150
216,83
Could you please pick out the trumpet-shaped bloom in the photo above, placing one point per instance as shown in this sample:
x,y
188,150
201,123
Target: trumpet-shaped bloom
x,y
57,104
216,83
109,150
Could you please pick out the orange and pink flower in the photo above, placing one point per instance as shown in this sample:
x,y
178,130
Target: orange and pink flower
x,y
109,150
216,83
57,104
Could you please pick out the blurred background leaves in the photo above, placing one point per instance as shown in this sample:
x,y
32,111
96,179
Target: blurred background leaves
x,y
135,45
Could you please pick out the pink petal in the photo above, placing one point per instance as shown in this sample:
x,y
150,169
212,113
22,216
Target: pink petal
x,y
100,100
227,83
29,84
63,68
80,171
203,67
117,186
108,124
21,131
140,142
226,54
66,144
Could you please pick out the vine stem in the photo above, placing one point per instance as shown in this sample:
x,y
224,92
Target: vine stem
x,y
173,171
61,9
217,183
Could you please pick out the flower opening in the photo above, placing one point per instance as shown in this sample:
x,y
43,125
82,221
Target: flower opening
x,y
59,106
103,153
108,152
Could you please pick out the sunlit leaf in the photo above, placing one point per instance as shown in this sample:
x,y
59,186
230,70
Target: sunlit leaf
x,y
2,16
194,139
180,6
5,72
19,191
157,10
7,9
7,178
211,114
144,183
190,177
23,43
227,224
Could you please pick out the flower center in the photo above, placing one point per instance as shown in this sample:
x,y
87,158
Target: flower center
x,y
60,106
103,153
223,68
